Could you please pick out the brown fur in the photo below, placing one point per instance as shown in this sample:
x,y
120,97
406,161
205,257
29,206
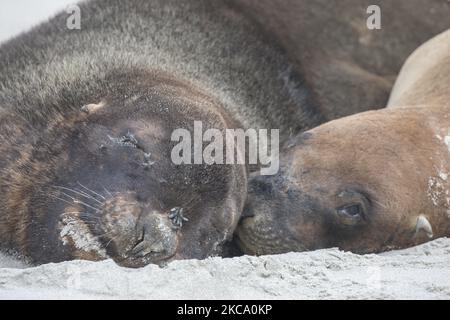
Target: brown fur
x,y
394,163
347,67
232,63
69,154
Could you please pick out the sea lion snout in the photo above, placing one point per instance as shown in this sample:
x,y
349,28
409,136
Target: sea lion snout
x,y
136,233
303,215
270,221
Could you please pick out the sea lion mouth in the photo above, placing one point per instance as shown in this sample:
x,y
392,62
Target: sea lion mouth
x,y
254,238
119,227
257,235
147,250
140,235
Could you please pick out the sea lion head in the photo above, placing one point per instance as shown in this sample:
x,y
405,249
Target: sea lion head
x,y
362,183
98,180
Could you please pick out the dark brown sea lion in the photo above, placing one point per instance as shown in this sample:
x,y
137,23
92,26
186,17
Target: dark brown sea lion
x,y
370,182
347,67
86,122
99,182
87,114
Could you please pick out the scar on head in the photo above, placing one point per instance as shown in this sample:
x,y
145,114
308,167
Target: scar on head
x,y
129,140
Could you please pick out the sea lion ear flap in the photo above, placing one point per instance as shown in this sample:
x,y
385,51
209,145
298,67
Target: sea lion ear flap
x,y
93,107
424,226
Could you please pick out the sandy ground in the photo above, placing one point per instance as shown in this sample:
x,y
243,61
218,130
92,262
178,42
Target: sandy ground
x,y
422,272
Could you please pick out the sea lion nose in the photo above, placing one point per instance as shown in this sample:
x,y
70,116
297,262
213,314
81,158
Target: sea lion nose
x,y
259,187
156,238
146,246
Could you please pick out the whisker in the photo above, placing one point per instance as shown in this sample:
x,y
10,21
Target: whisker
x,y
93,220
89,196
63,200
88,223
108,243
79,192
92,191
76,201
107,191
379,203
104,234
72,212
86,205
114,238
88,215
76,212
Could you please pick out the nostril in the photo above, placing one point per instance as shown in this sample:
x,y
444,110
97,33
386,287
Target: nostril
x,y
247,213
145,248
139,246
155,238
146,245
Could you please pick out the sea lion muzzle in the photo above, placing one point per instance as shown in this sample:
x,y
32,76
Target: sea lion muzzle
x,y
137,234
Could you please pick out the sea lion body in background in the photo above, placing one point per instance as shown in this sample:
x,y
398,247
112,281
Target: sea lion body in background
x,y
86,115
347,67
367,183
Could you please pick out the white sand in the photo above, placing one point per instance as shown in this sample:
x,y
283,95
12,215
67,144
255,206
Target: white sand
x,y
416,273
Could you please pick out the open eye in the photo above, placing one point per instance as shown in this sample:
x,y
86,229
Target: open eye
x,y
350,214
352,210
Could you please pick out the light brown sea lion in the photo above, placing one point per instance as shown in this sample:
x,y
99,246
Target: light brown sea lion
x,y
370,182
87,114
